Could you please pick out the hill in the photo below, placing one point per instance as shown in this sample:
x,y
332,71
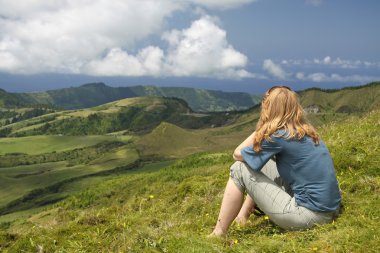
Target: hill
x,y
93,94
170,141
358,99
202,100
172,209
135,115
9,100
142,114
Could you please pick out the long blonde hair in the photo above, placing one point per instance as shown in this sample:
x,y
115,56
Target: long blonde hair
x,y
281,109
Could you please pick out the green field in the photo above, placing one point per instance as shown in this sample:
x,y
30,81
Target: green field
x,y
34,185
48,143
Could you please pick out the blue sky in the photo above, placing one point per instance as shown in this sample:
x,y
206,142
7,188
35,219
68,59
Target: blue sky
x,y
233,45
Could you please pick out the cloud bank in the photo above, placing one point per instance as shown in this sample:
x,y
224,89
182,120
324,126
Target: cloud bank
x,y
322,77
99,37
200,50
330,61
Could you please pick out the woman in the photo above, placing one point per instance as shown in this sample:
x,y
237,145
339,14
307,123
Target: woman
x,y
285,169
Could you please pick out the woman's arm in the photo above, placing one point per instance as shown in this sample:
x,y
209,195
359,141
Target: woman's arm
x,y
247,142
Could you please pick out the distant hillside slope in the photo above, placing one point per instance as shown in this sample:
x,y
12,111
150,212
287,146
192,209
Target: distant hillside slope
x,y
137,115
87,95
200,99
10,100
94,94
347,100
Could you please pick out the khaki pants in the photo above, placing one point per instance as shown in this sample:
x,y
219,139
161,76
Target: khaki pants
x,y
275,198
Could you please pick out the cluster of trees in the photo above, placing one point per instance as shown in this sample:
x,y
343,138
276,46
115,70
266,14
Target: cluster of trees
x,y
14,116
5,131
28,115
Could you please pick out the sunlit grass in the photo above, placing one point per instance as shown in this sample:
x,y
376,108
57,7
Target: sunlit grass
x,y
48,143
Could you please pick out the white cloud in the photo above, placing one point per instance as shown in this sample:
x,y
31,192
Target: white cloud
x,y
65,36
300,76
201,50
274,69
322,77
119,63
329,61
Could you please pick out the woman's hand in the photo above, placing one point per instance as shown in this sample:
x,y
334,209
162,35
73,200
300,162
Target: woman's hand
x,y
247,142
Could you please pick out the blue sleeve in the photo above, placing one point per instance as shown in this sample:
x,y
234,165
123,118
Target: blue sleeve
x,y
257,160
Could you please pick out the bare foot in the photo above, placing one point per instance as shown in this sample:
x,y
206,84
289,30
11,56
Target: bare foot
x,y
216,234
241,221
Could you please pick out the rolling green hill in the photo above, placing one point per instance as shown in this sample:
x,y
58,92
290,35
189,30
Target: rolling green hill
x,y
94,94
347,100
142,114
172,209
135,115
170,141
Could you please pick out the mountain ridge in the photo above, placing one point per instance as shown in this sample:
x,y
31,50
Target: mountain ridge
x,y
93,94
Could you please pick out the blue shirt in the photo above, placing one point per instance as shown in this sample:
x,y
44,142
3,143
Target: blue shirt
x,y
305,166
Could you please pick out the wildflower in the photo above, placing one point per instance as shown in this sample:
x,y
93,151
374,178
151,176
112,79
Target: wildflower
x,y
151,196
266,217
315,248
236,241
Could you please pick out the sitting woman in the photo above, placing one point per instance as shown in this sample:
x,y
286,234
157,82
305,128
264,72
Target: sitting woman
x,y
285,169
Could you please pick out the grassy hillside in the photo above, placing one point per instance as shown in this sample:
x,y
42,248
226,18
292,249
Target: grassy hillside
x,y
348,100
40,144
33,169
172,209
170,141
201,99
135,115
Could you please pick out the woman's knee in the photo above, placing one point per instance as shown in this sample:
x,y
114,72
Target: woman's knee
x,y
236,174
236,165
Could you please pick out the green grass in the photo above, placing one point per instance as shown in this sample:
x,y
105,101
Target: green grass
x,y
40,144
76,186
172,209
28,186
